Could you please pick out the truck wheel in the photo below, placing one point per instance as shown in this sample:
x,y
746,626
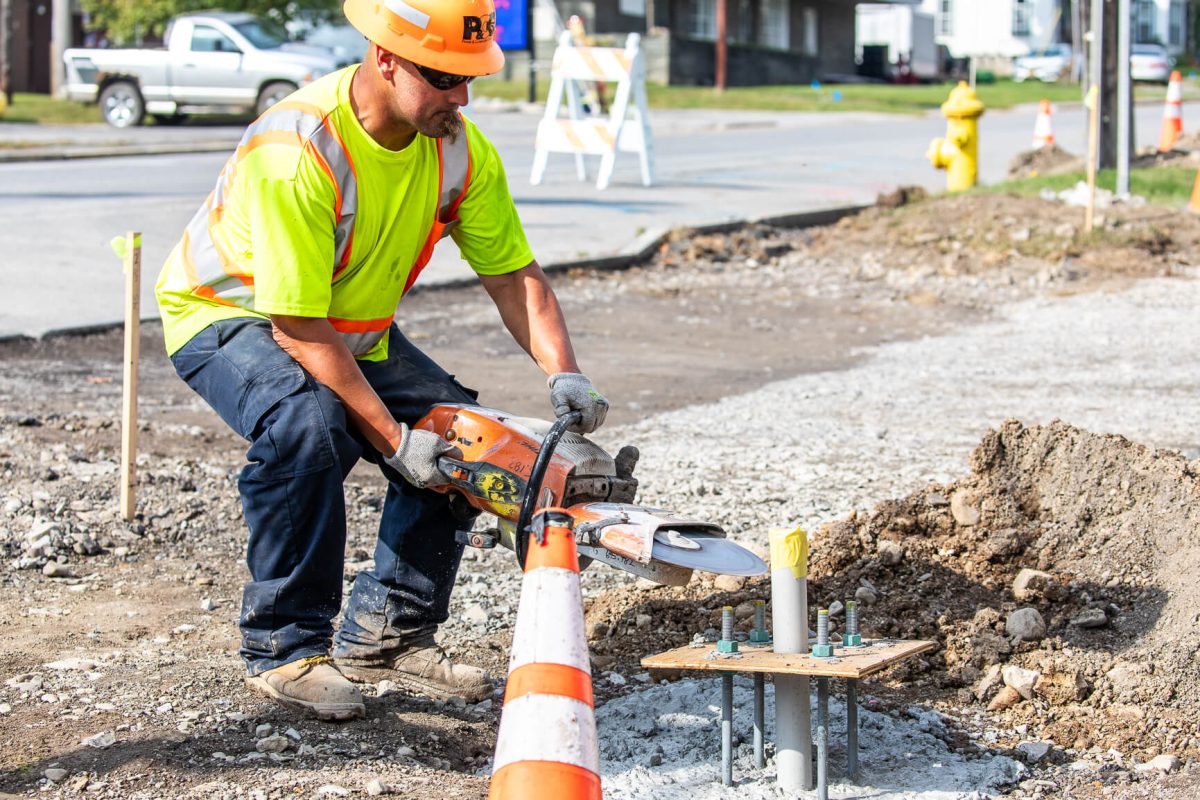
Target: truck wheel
x,y
272,93
121,105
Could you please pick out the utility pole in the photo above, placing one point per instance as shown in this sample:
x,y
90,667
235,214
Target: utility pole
x,y
6,50
1108,84
722,49
1124,98
60,40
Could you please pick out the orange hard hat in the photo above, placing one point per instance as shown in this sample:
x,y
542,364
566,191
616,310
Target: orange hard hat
x,y
457,36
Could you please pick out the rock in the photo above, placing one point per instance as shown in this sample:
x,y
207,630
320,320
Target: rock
x,y
597,630
1020,679
936,500
207,604
5,708
865,596
1004,543
1026,624
615,678
55,569
56,774
964,508
263,731
1090,618
836,608
377,787
990,681
1161,763
475,615
743,611
292,734
1034,751
333,790
404,751
83,664
26,682
890,553
1031,584
1007,697
484,706
729,583
101,740
275,743
1064,687
655,760
642,621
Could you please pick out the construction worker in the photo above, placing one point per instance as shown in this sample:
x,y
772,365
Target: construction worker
x,y
278,308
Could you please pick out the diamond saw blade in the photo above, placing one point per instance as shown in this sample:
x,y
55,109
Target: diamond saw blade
x,y
711,554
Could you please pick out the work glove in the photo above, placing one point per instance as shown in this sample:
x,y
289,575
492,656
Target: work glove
x,y
571,391
417,457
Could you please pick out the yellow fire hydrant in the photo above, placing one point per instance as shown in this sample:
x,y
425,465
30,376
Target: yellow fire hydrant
x,y
958,153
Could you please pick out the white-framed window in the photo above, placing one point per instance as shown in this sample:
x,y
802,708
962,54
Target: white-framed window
x,y
811,42
632,8
1022,17
946,17
1176,17
1144,29
702,19
773,25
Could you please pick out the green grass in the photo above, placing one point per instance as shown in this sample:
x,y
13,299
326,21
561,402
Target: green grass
x,y
40,109
1168,186
854,97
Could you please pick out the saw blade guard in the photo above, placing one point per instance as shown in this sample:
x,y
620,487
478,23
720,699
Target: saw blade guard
x,y
644,534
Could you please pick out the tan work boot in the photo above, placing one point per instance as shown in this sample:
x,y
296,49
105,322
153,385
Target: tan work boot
x,y
421,667
312,686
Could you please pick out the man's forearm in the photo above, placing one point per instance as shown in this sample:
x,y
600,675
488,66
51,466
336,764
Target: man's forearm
x,y
318,348
533,316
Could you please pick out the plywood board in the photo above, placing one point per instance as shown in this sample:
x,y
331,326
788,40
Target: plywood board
x,y
847,662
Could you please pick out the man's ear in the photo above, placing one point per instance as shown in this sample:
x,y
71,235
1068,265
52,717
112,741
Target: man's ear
x,y
386,62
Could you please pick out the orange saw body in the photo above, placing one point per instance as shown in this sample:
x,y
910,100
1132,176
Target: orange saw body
x,y
597,490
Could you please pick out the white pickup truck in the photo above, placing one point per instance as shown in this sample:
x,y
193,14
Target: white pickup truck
x,y
211,63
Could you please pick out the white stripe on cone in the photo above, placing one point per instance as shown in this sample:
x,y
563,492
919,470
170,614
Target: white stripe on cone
x,y
549,626
547,727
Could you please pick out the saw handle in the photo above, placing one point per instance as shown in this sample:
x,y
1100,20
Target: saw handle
x,y
534,485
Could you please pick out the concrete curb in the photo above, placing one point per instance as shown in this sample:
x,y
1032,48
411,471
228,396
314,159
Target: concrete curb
x,y
18,155
638,252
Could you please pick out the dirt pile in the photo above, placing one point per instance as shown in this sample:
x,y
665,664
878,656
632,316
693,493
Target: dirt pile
x,y
1097,535
1049,160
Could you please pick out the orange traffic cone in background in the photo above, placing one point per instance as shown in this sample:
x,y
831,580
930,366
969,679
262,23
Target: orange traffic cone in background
x,y
547,747
1172,124
1194,203
1043,128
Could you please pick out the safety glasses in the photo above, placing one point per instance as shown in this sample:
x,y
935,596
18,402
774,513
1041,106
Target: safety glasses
x,y
442,81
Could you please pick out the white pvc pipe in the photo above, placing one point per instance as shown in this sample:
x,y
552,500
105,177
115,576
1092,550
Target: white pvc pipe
x,y
789,608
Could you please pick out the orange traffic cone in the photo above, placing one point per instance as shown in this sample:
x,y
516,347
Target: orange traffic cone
x,y
1194,203
1043,128
1172,124
547,747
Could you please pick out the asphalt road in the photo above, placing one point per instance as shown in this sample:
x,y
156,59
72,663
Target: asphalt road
x,y
58,271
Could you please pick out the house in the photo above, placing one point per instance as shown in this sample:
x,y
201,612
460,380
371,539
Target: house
x,y
995,31
769,41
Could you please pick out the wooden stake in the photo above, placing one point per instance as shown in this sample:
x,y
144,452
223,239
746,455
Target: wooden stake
x,y
132,256
1093,105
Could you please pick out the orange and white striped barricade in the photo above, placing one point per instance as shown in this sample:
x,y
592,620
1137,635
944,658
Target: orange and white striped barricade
x,y
1172,123
547,747
627,126
1043,127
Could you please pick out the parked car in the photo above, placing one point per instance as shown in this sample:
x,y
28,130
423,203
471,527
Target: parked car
x,y
344,41
210,63
1046,65
1150,62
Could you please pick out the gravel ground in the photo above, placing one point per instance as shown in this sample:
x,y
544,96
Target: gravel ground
x,y
891,390
820,446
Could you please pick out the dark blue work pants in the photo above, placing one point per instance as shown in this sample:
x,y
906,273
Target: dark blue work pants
x,y
301,449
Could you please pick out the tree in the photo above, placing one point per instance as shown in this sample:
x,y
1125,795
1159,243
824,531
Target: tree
x,y
132,21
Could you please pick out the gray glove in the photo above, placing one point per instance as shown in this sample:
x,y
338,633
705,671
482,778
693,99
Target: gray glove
x,y
570,391
416,458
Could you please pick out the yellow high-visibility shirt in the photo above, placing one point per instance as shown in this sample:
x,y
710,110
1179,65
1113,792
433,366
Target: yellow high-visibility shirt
x,y
313,218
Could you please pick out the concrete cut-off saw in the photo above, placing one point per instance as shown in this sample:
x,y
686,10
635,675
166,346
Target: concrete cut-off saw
x,y
513,466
